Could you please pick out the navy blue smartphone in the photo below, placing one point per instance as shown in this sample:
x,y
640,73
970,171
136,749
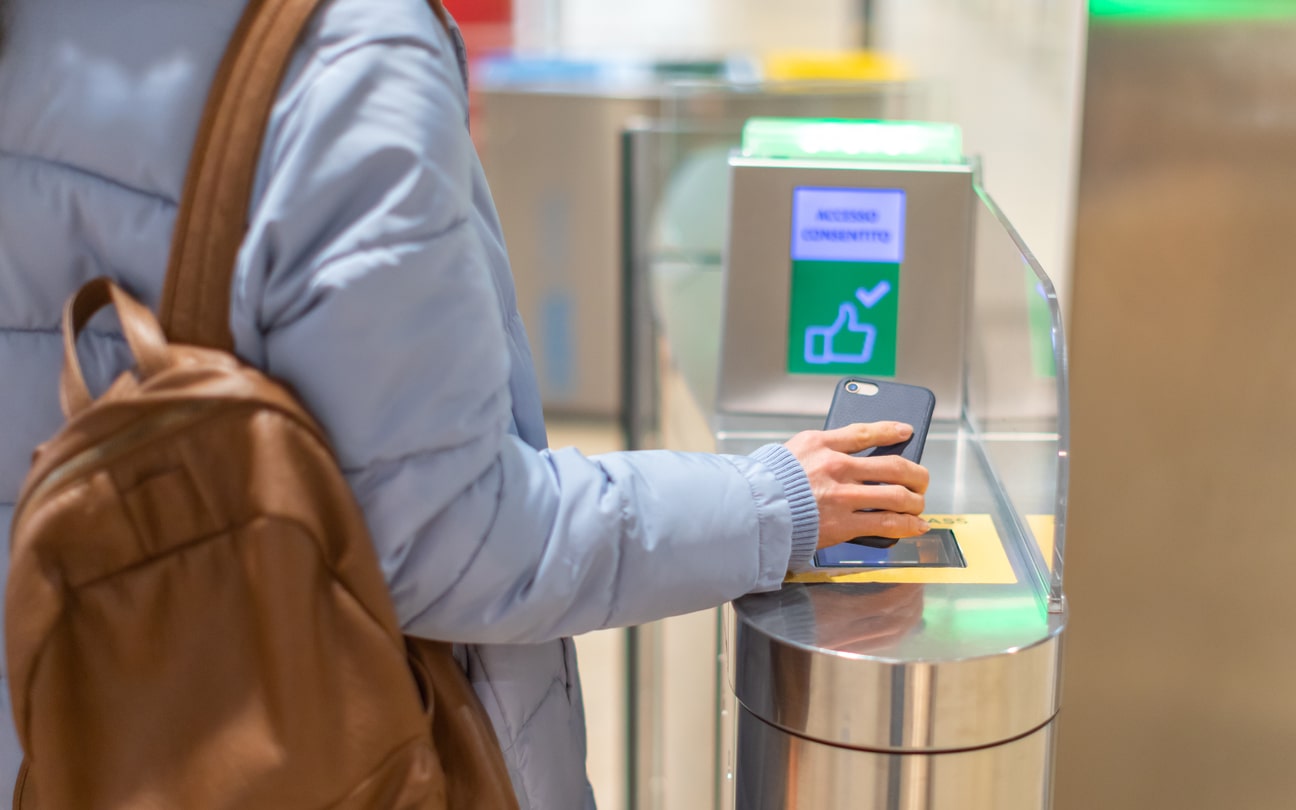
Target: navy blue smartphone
x,y
858,399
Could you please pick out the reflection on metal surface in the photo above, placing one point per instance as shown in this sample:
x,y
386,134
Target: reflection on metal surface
x,y
781,771
836,663
863,618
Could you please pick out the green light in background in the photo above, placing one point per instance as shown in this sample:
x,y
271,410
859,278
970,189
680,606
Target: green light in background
x,y
1190,10
841,139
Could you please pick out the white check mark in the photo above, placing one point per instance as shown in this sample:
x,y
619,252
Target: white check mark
x,y
869,298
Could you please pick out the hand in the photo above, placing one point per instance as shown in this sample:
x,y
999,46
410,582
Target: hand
x,y
895,486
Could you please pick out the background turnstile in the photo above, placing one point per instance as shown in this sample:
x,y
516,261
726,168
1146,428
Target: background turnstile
x,y
549,136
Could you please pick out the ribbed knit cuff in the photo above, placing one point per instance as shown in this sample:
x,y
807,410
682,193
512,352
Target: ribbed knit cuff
x,y
796,488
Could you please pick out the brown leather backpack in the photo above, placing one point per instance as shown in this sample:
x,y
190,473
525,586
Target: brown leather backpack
x,y
195,615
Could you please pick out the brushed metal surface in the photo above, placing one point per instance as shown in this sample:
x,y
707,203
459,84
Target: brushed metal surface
x,y
1180,656
781,771
933,283
553,163
837,663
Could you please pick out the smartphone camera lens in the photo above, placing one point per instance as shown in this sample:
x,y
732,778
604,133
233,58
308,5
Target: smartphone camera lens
x,y
852,387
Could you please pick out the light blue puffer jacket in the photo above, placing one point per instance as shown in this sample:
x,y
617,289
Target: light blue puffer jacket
x,y
373,280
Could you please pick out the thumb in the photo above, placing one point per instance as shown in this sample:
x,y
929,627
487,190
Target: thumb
x,y
863,435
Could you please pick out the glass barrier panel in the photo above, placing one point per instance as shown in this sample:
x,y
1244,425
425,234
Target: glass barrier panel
x,y
1016,388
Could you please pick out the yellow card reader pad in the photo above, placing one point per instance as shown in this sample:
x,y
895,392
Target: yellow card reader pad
x,y
978,541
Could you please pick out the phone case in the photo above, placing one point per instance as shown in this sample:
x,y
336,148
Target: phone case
x,y
893,402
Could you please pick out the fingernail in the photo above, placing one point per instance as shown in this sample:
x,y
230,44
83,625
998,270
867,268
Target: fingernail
x,y
906,431
924,525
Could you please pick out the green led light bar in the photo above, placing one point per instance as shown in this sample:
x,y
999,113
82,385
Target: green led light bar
x,y
1190,10
842,139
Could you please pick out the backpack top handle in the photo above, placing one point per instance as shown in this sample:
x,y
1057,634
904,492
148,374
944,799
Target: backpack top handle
x,y
143,336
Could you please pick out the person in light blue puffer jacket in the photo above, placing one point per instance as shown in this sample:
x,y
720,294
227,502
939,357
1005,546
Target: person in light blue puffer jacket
x,y
374,281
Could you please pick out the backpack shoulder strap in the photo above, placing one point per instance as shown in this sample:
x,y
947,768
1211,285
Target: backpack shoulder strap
x,y
213,212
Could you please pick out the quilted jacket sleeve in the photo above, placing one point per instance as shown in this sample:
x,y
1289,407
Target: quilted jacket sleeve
x,y
366,284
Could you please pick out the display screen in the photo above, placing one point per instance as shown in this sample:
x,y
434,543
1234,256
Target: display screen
x,y
847,248
937,548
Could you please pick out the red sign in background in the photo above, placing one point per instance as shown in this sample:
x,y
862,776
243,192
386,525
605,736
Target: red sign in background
x,y
487,24
487,27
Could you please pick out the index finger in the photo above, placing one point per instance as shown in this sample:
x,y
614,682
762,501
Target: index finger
x,y
863,435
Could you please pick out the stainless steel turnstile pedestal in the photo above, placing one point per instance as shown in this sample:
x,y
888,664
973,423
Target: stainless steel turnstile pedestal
x,y
838,707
